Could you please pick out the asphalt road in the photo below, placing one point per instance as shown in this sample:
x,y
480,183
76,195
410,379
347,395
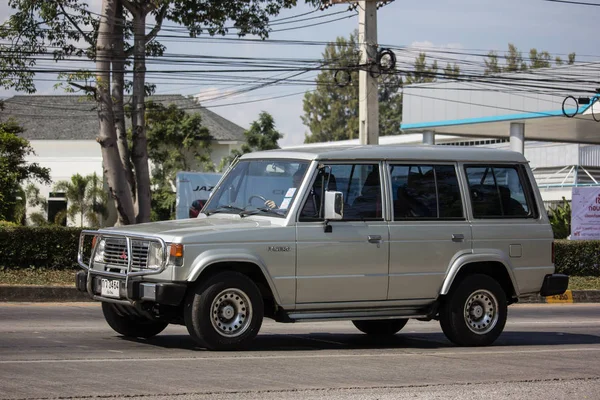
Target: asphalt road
x,y
67,351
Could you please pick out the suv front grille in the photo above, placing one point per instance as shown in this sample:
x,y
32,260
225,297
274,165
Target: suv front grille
x,y
115,253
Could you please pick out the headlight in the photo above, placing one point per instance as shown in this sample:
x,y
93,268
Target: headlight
x,y
155,255
99,255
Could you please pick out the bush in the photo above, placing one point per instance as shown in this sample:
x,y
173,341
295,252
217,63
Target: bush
x,y
53,247
560,219
578,257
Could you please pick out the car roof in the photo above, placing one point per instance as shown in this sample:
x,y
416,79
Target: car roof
x,y
387,152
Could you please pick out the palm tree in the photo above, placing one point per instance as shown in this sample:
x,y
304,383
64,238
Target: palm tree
x,y
85,197
97,196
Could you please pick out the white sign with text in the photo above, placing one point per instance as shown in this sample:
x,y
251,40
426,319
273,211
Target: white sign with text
x,y
585,213
193,187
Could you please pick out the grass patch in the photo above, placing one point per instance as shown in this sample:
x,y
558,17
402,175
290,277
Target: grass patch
x,y
39,277
584,282
47,277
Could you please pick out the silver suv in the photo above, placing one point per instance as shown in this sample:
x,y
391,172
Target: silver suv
x,y
371,234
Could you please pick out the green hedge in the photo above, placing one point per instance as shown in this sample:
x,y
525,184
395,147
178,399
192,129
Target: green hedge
x,y
38,247
578,257
56,248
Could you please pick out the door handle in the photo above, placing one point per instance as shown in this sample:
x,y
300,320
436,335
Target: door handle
x,y
375,239
458,237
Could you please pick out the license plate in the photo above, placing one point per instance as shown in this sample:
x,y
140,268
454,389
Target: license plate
x,y
110,288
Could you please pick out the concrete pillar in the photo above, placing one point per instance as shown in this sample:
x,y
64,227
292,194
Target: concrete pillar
x,y
517,137
429,137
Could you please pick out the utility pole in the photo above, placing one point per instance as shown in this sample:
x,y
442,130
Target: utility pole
x,y
368,101
368,108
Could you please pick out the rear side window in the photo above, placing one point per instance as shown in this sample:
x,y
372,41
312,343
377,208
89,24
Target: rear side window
x,y
500,192
425,192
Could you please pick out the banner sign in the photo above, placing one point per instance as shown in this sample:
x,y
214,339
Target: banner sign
x,y
193,189
585,213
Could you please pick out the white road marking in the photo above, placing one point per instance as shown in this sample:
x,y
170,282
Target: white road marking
x,y
305,356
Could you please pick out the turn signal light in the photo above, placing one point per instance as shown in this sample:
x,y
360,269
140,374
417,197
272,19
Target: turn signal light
x,y
94,241
176,250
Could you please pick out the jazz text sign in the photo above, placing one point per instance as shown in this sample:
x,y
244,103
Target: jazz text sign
x,y
193,186
585,213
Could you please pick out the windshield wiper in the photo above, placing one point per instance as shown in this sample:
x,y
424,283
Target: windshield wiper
x,y
224,209
259,209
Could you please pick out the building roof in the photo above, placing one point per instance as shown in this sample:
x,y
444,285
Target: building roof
x,y
542,99
392,152
75,117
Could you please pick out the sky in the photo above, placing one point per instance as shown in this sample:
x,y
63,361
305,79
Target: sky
x,y
464,25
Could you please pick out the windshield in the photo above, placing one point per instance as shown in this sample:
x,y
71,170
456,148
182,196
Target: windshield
x,y
258,187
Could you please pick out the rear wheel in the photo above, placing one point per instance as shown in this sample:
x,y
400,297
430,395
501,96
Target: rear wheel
x,y
224,313
128,322
380,326
474,312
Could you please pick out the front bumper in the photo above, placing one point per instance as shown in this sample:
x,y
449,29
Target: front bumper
x,y
133,290
554,284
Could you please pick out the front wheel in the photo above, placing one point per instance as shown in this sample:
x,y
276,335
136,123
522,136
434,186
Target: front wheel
x,y
474,312
126,321
380,327
224,313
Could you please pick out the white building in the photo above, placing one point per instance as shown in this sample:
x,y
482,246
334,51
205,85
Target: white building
x,y
538,113
62,131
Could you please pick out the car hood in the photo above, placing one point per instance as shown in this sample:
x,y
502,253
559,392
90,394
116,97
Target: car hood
x,y
184,230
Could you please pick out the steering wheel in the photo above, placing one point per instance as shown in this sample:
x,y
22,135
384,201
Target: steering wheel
x,y
256,196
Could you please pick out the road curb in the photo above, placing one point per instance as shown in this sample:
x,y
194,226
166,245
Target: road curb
x,y
570,296
57,294
9,293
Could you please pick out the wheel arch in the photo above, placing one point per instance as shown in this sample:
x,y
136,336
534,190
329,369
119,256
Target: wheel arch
x,y
492,265
246,264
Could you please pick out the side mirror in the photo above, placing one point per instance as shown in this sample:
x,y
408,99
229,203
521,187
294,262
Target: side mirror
x,y
334,206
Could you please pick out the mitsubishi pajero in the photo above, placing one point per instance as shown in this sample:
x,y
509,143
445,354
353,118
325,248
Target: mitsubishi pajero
x,y
372,234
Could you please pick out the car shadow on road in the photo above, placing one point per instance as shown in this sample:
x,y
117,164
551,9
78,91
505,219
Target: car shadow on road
x,y
334,341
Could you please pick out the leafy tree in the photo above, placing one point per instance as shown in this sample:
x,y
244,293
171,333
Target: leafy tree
x,y
560,219
35,200
422,73
85,198
331,111
177,141
37,26
452,71
262,135
491,64
14,170
514,61
539,59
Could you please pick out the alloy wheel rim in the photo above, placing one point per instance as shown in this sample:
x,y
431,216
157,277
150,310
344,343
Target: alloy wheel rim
x,y
231,312
481,312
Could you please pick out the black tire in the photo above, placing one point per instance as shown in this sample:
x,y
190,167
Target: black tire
x,y
483,321
381,327
225,312
127,322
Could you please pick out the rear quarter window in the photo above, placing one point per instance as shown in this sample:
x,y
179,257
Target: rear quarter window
x,y
500,191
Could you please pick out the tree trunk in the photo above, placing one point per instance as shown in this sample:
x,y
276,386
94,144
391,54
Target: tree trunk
x,y
118,87
107,137
140,145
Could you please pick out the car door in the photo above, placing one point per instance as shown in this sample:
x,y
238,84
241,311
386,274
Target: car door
x,y
428,228
349,260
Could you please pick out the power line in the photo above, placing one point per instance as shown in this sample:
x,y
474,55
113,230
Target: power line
x,y
579,3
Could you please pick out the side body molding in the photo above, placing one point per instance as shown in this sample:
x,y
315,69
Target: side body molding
x,y
480,255
210,257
